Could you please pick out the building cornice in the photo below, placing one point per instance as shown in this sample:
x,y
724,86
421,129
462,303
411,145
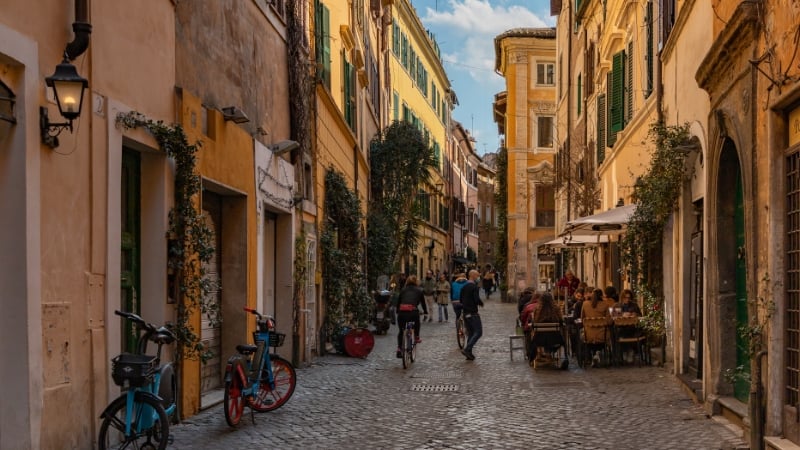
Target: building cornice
x,y
737,35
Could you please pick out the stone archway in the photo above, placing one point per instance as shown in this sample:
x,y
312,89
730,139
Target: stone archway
x,y
727,274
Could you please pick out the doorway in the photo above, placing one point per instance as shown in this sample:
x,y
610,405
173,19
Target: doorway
x,y
211,330
130,239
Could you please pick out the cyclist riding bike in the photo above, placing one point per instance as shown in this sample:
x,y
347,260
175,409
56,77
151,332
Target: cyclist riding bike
x,y
409,300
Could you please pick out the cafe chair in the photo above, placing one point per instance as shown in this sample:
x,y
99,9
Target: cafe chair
x,y
549,336
628,335
596,341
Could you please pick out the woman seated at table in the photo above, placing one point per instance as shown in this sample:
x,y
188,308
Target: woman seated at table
x,y
627,304
545,342
595,307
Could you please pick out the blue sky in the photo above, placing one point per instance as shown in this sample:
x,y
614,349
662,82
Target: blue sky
x,y
465,31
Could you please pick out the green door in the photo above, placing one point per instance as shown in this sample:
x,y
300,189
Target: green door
x,y
741,388
130,240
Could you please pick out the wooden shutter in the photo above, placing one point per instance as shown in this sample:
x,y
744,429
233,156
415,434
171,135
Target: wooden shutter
x,y
580,94
555,7
617,93
601,128
396,106
649,52
629,84
326,45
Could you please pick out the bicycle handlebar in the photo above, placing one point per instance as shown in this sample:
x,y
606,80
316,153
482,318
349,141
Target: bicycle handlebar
x,y
151,329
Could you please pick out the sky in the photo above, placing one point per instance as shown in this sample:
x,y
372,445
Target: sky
x,y
465,31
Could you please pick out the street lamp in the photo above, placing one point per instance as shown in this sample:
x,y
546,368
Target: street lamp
x,y
68,89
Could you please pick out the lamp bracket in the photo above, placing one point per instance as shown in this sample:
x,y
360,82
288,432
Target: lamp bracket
x,y
51,130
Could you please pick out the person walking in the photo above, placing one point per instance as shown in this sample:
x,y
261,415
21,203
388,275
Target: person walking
x,y
442,296
408,310
488,281
429,291
470,301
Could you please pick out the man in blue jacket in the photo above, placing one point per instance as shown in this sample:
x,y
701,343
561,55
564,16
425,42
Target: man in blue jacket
x,y
470,301
455,294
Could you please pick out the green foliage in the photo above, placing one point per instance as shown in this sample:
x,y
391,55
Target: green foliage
x,y
501,202
656,196
653,320
400,163
343,277
191,241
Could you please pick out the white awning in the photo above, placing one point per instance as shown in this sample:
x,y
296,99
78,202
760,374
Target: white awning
x,y
608,223
578,240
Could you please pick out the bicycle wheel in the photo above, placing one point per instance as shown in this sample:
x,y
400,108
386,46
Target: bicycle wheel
x,y
285,381
406,348
112,430
461,333
412,340
233,401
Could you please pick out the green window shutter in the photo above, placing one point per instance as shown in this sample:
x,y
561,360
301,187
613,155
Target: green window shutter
x,y
617,101
629,84
649,52
404,50
611,135
396,107
601,128
437,153
326,46
580,94
396,39
349,94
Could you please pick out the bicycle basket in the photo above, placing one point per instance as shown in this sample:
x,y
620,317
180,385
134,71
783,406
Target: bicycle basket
x,y
133,370
276,339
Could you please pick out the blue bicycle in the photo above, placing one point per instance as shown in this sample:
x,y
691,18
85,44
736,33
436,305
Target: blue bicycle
x,y
139,418
256,378
409,345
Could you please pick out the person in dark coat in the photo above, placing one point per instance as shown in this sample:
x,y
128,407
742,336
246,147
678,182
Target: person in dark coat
x,y
408,303
470,301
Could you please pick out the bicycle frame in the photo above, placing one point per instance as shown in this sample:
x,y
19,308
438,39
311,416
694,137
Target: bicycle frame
x,y
137,410
243,367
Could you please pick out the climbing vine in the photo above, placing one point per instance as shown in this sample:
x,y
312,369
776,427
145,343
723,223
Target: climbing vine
x,y
501,200
343,276
190,240
656,196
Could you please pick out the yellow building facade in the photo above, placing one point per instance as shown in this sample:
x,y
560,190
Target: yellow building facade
x,y
421,95
526,112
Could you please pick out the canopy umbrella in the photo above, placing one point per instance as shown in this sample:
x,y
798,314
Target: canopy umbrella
x,y
608,223
577,240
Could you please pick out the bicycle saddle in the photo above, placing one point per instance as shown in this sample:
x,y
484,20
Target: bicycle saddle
x,y
246,349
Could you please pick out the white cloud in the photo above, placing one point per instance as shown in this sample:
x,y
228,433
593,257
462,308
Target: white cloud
x,y
470,27
480,17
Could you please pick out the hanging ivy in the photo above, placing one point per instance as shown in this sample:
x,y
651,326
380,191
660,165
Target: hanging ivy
x,y
343,276
656,196
501,200
190,240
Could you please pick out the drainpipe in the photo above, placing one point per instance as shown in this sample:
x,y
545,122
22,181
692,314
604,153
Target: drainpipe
x,y
82,29
569,115
756,404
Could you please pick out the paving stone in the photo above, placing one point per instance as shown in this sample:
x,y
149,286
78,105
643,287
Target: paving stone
x,y
372,403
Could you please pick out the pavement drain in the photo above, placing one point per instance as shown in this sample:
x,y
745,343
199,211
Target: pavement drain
x,y
434,388
439,374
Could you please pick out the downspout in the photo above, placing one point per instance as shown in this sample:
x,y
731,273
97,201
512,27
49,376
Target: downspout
x,y
756,407
82,29
660,119
569,116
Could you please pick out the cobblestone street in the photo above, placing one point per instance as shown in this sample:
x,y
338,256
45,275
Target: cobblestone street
x,y
444,401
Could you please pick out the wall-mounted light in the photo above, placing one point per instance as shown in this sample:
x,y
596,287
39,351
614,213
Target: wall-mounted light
x,y
68,89
284,147
234,114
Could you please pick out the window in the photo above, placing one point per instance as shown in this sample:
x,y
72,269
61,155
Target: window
x,y
544,128
616,103
629,84
580,95
601,128
648,53
322,39
396,39
545,206
349,88
545,75
589,81
404,50
396,105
